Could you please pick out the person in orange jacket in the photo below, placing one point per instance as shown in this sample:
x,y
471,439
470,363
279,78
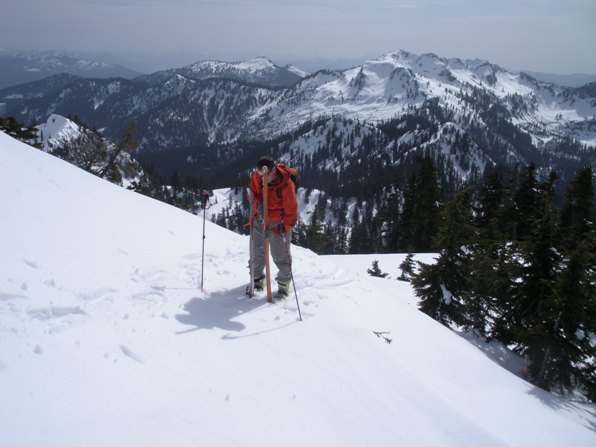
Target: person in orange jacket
x,y
282,215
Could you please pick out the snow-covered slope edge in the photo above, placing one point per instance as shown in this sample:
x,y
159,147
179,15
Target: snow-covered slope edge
x,y
105,339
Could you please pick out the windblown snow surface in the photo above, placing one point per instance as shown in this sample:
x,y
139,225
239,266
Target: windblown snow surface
x,y
107,340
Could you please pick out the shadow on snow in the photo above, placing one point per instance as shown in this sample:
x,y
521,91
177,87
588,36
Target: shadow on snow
x,y
217,310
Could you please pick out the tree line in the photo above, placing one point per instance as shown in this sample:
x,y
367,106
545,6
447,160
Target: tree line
x,y
514,266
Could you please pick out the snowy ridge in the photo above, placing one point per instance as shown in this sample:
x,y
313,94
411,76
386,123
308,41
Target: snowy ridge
x,y
386,87
106,338
56,131
259,70
256,65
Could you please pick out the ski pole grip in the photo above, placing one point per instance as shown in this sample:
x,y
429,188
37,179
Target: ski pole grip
x,y
205,199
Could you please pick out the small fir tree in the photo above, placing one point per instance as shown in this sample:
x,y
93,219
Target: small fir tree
x,y
407,268
376,271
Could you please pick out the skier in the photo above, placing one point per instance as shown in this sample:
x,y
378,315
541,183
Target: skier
x,y
282,214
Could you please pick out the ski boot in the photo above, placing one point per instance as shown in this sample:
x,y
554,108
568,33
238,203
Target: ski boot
x,y
257,285
283,289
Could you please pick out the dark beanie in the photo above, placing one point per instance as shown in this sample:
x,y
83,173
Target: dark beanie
x,y
266,161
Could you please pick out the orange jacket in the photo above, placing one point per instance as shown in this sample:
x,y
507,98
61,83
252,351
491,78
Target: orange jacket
x,y
281,198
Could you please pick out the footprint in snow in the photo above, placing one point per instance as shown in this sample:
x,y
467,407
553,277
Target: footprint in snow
x,y
50,313
11,296
132,355
31,263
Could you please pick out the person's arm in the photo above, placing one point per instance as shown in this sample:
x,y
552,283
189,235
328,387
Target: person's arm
x,y
256,186
290,204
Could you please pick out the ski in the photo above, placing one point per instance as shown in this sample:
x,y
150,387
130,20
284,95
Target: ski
x,y
265,222
251,221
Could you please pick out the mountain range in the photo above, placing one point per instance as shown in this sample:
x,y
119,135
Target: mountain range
x,y
469,115
19,67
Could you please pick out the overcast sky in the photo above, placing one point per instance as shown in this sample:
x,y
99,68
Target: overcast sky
x,y
555,36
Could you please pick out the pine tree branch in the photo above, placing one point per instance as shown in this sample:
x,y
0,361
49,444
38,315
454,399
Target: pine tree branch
x,y
383,336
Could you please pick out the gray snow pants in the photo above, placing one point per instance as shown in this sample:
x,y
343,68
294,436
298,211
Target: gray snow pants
x,y
280,251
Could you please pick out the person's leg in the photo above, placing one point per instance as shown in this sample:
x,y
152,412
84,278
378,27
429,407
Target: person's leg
x,y
280,252
258,253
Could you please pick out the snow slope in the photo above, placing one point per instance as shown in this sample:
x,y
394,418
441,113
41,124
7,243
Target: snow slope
x,y
106,339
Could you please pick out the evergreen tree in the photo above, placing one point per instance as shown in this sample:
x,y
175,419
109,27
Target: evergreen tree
x,y
418,222
127,144
376,271
569,358
491,282
27,134
490,207
577,216
429,288
427,198
533,304
387,219
490,254
314,236
341,240
222,218
526,198
360,239
406,222
237,219
299,235
443,287
407,268
328,238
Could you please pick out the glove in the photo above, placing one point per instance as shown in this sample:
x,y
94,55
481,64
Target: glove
x,y
280,230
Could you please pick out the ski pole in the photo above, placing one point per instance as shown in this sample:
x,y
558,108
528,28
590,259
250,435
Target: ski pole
x,y
205,197
286,246
265,223
251,221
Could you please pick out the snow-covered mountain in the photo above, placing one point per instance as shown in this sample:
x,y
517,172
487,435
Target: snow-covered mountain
x,y
378,90
106,338
387,87
89,150
58,131
21,67
259,70
468,115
